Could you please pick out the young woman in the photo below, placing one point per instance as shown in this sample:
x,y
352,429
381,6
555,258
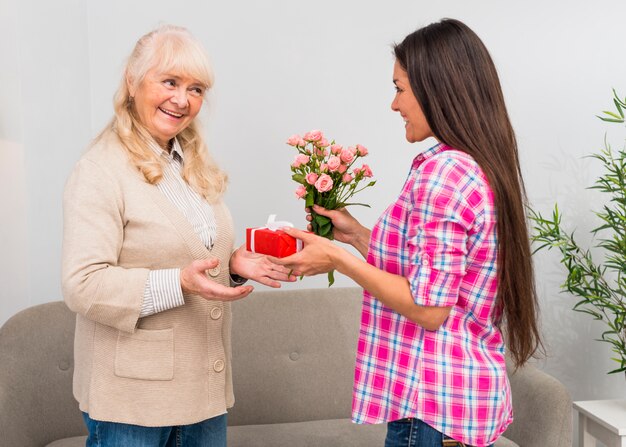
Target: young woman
x,y
448,280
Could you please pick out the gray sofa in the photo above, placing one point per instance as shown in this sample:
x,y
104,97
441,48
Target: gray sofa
x,y
292,365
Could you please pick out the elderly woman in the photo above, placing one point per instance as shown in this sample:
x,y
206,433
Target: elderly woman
x,y
148,261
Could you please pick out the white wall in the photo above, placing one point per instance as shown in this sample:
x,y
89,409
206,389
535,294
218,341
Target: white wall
x,y
285,67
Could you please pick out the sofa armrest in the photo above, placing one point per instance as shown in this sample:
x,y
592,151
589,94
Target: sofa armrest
x,y
542,409
36,367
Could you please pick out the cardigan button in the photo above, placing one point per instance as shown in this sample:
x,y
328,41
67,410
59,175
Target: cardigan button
x,y
215,271
218,366
216,313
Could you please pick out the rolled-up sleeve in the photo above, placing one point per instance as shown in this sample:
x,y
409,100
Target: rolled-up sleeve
x,y
444,212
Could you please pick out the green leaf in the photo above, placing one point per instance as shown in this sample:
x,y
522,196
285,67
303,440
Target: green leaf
x,y
310,199
322,220
614,115
610,120
324,230
617,98
354,203
331,204
619,107
299,178
331,278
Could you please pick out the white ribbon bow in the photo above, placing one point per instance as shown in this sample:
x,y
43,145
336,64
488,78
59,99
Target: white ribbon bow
x,y
273,224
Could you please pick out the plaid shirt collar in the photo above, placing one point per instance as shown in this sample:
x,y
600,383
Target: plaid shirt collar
x,y
434,150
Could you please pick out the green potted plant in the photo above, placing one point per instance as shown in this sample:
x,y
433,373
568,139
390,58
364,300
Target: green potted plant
x,y
600,286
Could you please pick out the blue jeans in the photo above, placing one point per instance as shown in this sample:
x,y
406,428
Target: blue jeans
x,y
415,433
209,433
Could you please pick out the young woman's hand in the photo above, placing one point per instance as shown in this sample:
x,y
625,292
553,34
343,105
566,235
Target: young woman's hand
x,y
318,255
258,268
346,228
194,280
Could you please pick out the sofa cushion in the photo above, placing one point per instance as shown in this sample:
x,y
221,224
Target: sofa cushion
x,y
77,441
504,442
293,355
337,432
331,433
326,433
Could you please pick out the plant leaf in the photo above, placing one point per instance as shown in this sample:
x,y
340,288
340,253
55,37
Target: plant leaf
x,y
331,278
353,203
321,220
299,178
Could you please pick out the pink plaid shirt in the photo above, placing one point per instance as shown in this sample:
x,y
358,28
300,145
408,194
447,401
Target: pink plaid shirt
x,y
441,235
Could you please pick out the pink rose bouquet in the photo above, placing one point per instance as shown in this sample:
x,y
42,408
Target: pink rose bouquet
x,y
327,176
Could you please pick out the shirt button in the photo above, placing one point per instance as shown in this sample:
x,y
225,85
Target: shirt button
x,y
425,262
420,157
216,313
215,271
218,366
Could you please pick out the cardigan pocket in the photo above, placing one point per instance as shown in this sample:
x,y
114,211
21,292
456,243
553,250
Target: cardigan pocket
x,y
145,354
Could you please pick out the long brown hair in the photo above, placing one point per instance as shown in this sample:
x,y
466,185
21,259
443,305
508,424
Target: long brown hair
x,y
455,82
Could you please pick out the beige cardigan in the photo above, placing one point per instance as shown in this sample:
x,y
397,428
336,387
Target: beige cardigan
x,y
171,368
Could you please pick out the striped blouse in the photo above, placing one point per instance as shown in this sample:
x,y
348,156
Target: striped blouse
x,y
163,290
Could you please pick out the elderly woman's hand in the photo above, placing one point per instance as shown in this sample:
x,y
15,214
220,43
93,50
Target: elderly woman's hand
x,y
259,268
193,280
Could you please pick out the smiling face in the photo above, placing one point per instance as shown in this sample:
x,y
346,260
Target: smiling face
x,y
167,103
417,128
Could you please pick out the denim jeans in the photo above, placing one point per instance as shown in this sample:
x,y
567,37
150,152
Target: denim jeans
x,y
208,433
415,433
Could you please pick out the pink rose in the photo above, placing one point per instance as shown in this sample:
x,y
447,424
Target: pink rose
x,y
361,150
294,140
323,143
299,160
320,152
323,167
347,178
367,171
311,178
324,183
347,155
314,135
342,168
300,192
334,163
335,149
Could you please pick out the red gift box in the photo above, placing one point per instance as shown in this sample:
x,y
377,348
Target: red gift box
x,y
269,240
